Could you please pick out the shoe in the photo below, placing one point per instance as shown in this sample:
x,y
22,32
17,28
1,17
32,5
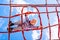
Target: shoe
x,y
11,24
10,29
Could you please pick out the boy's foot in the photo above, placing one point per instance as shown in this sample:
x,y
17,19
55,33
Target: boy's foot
x,y
10,29
11,24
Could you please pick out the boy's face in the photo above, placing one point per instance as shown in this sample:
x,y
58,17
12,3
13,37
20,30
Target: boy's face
x,y
33,21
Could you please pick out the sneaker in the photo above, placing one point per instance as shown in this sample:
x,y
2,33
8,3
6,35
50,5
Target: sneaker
x,y
11,24
10,29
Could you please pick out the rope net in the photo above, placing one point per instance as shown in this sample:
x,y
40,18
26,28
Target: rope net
x,y
56,6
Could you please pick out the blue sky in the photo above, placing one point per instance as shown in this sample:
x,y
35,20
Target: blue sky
x,y
30,35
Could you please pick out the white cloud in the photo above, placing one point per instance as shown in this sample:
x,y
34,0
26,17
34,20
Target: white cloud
x,y
54,30
19,2
47,33
35,34
20,8
34,10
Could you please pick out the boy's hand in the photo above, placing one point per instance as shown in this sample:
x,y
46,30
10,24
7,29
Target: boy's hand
x,y
27,13
40,27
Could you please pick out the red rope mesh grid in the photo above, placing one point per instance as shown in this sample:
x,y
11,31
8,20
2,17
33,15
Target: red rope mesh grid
x,y
38,12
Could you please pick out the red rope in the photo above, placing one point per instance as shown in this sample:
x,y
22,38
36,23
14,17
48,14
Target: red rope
x,y
22,22
9,23
40,22
31,13
58,23
33,5
48,21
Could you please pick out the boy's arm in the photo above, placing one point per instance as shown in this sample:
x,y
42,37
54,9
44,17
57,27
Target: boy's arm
x,y
26,14
26,18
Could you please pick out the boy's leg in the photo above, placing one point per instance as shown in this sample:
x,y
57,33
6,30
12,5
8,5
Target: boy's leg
x,y
17,28
17,23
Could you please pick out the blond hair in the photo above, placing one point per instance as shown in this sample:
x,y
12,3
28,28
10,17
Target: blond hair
x,y
33,21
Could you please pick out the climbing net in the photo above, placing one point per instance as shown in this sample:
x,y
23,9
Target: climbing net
x,y
38,13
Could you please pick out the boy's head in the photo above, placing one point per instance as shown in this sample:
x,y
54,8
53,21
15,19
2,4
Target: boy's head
x,y
33,21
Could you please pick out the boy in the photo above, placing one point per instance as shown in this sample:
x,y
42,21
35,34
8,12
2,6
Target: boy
x,y
27,24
